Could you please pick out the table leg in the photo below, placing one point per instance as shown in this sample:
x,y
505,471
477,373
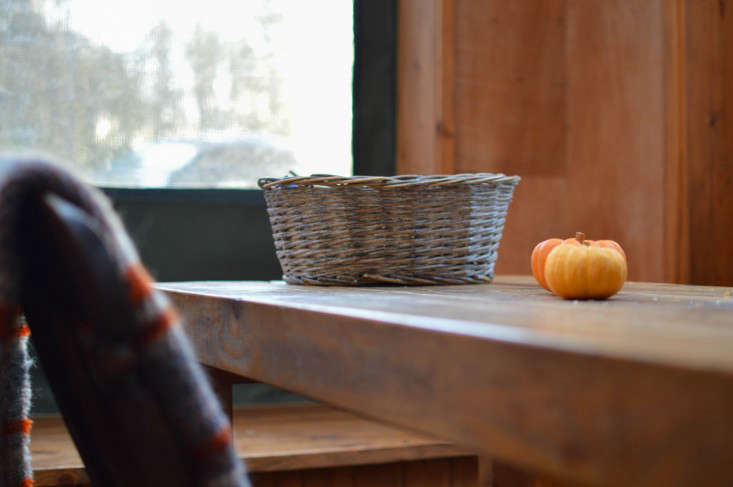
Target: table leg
x,y
506,475
485,471
222,383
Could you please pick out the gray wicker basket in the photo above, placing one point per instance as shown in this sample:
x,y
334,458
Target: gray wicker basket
x,y
414,230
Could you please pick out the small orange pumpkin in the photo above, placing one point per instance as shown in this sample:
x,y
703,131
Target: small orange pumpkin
x,y
580,269
539,257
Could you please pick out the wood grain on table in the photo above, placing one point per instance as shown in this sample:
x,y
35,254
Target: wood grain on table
x,y
689,326
637,389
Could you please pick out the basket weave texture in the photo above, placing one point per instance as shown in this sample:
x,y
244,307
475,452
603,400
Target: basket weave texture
x,y
411,230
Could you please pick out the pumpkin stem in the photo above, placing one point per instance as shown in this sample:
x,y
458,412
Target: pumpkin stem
x,y
580,236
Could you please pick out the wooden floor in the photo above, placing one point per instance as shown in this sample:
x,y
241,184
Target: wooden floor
x,y
296,445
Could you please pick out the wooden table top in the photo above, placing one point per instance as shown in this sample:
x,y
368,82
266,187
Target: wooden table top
x,y
637,389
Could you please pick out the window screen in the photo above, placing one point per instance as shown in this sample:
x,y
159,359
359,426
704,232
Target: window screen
x,y
172,93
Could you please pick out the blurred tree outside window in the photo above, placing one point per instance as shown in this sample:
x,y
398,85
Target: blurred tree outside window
x,y
179,94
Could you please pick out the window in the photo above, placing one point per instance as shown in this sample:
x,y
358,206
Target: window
x,y
183,233
167,93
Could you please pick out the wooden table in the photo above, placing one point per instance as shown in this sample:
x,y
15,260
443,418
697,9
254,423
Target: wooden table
x,y
636,390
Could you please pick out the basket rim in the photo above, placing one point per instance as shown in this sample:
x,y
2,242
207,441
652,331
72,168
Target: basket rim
x,y
389,182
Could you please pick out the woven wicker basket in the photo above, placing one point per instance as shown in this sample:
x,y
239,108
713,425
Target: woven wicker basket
x,y
415,230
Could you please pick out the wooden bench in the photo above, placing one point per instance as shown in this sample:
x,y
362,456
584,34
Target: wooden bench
x,y
296,445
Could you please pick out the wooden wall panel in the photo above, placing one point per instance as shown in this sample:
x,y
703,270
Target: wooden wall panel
x,y
425,114
416,66
510,113
567,94
538,211
510,87
615,131
709,132
616,114
676,221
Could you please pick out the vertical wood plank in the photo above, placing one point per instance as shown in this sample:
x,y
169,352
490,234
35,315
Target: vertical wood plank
x,y
709,131
615,133
510,86
723,174
416,87
676,217
387,475
510,113
425,121
428,473
445,74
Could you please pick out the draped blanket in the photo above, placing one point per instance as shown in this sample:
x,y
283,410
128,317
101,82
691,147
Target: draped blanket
x,y
137,404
